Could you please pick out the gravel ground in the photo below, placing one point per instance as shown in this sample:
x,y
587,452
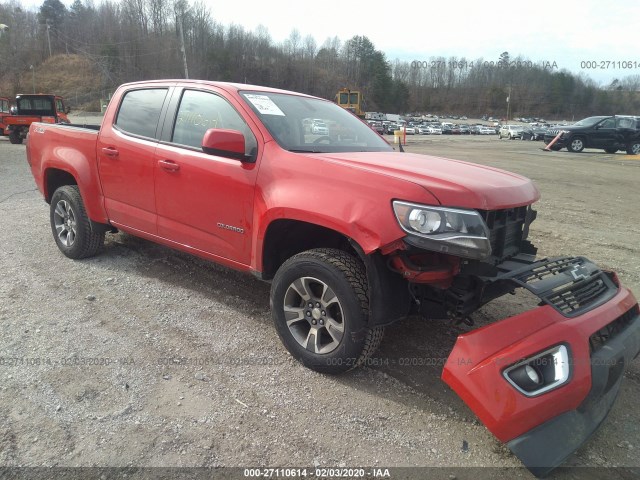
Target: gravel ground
x,y
178,363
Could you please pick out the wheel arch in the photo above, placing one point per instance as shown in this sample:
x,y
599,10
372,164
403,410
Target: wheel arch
x,y
285,238
55,178
389,297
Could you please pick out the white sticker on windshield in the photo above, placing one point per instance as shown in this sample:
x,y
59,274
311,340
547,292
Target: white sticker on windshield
x,y
264,104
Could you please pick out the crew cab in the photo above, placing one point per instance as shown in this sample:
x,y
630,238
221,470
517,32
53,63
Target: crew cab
x,y
353,236
30,109
611,133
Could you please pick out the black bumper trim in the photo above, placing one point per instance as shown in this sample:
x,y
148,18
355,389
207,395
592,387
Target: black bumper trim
x,y
545,447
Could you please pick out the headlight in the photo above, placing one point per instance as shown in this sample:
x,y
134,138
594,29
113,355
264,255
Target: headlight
x,y
540,373
447,230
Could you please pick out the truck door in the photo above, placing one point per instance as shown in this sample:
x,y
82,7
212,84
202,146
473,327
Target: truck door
x,y
205,201
604,134
125,150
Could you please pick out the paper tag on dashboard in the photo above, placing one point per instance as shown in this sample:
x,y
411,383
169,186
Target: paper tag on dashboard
x,y
264,104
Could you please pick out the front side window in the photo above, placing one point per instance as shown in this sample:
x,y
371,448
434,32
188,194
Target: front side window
x,y
199,111
4,106
59,105
139,111
608,123
305,124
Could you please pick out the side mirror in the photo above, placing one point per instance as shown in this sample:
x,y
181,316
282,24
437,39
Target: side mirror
x,y
225,143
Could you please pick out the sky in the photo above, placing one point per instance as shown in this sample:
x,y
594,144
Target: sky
x,y
561,34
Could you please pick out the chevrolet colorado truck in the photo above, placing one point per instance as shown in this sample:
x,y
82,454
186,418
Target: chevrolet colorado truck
x,y
33,108
611,133
352,236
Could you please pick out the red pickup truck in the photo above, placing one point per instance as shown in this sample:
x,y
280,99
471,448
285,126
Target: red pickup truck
x,y
352,236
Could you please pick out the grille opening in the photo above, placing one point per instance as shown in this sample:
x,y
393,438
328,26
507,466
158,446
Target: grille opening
x,y
610,331
572,298
506,230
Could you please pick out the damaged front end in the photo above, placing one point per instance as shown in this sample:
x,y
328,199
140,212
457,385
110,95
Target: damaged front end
x,y
541,381
544,380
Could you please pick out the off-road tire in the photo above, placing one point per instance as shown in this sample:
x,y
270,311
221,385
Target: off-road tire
x,y
611,150
345,275
71,226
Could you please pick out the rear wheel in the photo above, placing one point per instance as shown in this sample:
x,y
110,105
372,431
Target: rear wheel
x,y
15,138
576,145
71,226
634,148
319,302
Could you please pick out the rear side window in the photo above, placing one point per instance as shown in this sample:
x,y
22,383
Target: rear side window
x,y
139,112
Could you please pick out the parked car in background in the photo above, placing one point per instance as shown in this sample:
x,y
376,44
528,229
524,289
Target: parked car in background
x,y
423,130
484,130
510,131
434,130
611,133
377,127
534,133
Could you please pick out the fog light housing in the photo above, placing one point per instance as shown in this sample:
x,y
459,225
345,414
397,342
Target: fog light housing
x,y
540,373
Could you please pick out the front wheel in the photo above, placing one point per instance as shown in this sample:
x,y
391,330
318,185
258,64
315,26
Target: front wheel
x,y
319,302
575,145
634,148
71,226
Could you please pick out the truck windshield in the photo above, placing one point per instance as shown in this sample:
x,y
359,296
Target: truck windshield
x,y
303,124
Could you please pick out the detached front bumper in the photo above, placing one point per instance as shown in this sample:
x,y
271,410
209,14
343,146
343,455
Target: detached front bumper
x,y
601,333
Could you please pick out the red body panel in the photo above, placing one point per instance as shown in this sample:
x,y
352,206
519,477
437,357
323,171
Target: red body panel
x,y
474,367
72,150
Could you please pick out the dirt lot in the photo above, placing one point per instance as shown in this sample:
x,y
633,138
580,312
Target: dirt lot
x,y
178,363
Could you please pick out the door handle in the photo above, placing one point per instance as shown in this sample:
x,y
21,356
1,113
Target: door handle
x,y
169,165
110,152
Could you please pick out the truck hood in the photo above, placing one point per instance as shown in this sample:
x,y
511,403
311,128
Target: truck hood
x,y
454,183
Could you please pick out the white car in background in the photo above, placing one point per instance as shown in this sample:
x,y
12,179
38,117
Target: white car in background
x,y
510,131
434,130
